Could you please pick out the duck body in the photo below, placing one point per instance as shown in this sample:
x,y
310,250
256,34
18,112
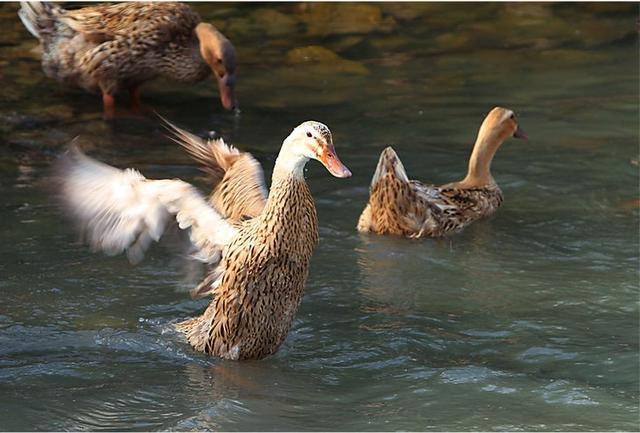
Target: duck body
x,y
113,48
403,207
262,287
258,249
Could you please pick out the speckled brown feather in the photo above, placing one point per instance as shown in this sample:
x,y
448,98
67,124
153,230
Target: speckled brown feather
x,y
113,47
406,207
258,263
241,193
266,267
156,19
238,186
400,206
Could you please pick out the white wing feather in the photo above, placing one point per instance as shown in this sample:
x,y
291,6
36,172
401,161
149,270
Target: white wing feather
x,y
121,210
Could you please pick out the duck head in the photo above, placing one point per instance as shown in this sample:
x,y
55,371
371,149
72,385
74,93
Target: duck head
x,y
220,55
311,140
500,124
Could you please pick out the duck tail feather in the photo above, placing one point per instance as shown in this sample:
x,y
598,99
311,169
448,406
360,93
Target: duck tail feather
x,y
38,16
214,156
389,163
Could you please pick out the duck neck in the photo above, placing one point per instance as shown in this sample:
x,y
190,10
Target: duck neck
x,y
287,183
184,64
479,172
289,165
290,210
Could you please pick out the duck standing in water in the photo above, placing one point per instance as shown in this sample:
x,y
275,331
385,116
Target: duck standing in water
x,y
399,206
111,48
258,248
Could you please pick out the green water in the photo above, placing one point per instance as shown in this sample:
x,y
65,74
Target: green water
x,y
528,320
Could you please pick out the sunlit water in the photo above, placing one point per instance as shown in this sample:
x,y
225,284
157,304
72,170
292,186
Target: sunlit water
x,y
528,320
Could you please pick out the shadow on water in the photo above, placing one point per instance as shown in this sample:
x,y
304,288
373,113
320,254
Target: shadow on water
x,y
527,320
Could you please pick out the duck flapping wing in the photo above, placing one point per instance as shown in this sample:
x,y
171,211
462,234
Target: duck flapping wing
x,y
122,211
239,190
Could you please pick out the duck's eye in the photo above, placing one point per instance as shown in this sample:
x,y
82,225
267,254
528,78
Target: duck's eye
x,y
309,134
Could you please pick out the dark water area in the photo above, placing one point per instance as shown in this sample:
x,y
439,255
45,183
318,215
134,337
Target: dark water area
x,y
528,320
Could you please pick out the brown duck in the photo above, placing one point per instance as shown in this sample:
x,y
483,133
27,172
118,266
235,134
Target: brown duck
x,y
399,206
258,248
111,48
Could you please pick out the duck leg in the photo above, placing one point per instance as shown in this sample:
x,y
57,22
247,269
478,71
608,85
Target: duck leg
x,y
109,105
136,105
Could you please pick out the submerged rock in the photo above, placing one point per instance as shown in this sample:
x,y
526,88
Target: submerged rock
x,y
323,58
323,19
260,23
409,11
59,112
346,42
308,84
573,56
544,26
101,321
610,8
392,43
454,41
273,22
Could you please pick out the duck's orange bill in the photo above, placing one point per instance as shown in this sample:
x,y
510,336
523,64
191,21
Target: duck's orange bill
x,y
330,160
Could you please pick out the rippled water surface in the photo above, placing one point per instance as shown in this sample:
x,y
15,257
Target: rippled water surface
x,y
528,320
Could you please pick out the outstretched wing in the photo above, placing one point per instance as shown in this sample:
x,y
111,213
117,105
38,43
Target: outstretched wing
x,y
121,210
239,190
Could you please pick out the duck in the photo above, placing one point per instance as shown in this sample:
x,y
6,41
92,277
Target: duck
x,y
257,245
110,48
402,207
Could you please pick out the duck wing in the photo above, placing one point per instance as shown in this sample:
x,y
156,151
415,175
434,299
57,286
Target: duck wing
x,y
39,18
122,211
155,22
126,42
239,190
469,204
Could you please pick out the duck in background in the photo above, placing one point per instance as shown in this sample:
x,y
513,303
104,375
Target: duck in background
x,y
258,248
399,206
111,48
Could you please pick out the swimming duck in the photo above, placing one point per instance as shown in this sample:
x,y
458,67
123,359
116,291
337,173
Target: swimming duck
x,y
258,247
404,207
111,48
